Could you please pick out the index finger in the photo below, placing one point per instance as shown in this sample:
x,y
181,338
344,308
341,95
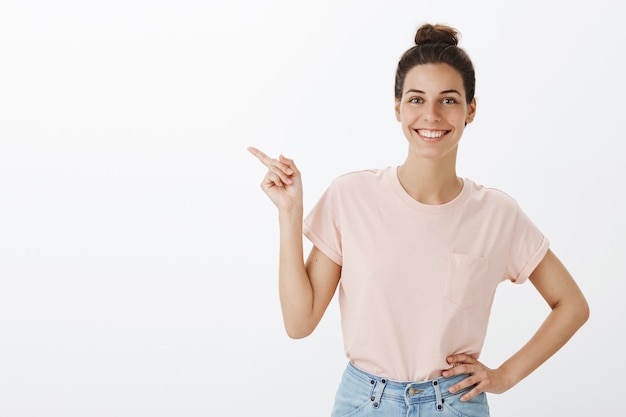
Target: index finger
x,y
265,160
460,358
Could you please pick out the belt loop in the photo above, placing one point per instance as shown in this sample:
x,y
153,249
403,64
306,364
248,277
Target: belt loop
x,y
378,393
438,395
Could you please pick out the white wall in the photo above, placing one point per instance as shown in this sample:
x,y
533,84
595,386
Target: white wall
x,y
138,256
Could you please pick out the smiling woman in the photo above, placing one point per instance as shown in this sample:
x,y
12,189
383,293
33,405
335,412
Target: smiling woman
x,y
433,113
417,240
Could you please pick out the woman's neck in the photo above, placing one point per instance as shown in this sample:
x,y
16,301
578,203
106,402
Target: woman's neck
x,y
430,183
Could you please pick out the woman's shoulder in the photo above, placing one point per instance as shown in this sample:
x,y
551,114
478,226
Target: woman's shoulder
x,y
491,195
361,177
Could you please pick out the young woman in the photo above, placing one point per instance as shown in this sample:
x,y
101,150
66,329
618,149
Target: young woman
x,y
417,253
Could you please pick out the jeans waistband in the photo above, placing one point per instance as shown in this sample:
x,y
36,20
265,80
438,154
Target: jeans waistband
x,y
407,392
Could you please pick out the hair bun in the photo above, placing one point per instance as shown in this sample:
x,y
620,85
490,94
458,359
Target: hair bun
x,y
436,34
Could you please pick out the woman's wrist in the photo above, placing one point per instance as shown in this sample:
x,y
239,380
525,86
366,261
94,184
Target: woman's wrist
x,y
291,214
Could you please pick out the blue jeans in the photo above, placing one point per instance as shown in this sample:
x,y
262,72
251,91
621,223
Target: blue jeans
x,y
361,394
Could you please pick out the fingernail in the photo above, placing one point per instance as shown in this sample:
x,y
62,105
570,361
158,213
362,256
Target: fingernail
x,y
289,171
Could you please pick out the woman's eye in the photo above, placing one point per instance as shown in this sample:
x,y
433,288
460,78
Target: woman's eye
x,y
415,100
448,101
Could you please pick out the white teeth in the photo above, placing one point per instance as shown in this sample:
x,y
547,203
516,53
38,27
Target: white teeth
x,y
431,134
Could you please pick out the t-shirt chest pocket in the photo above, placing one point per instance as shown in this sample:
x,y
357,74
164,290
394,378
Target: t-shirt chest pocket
x,y
465,281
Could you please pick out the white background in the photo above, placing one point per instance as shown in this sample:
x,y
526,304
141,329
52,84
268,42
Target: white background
x,y
138,255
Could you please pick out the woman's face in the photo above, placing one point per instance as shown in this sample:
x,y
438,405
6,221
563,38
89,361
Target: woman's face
x,y
433,111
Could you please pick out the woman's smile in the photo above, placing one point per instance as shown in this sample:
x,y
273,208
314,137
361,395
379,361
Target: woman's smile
x,y
431,136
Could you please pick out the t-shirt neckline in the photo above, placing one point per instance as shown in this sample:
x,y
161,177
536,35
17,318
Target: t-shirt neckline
x,y
392,174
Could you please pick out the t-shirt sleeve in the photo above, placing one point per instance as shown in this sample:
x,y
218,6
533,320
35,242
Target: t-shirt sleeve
x,y
528,248
322,225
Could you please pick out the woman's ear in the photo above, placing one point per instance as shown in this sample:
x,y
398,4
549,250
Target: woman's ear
x,y
471,111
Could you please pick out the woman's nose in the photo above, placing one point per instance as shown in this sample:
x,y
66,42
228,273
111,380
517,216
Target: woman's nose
x,y
431,112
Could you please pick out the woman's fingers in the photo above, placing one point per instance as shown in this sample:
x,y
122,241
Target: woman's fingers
x,y
277,177
464,364
482,379
282,182
265,160
281,167
279,171
282,163
289,164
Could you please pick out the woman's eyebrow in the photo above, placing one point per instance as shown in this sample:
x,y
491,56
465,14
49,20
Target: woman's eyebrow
x,y
452,91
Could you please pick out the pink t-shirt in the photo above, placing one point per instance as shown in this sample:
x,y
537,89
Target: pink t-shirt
x,y
417,281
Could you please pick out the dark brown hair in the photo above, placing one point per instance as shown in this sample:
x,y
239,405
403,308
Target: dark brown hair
x,y
437,44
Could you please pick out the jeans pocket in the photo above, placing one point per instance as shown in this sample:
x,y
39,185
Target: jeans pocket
x,y
465,280
352,397
350,404
476,407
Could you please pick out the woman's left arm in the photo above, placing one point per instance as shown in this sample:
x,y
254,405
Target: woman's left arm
x,y
569,312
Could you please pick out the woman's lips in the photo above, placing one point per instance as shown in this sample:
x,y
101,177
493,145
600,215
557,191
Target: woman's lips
x,y
431,136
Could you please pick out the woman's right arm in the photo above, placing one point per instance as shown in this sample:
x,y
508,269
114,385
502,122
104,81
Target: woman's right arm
x,y
305,289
